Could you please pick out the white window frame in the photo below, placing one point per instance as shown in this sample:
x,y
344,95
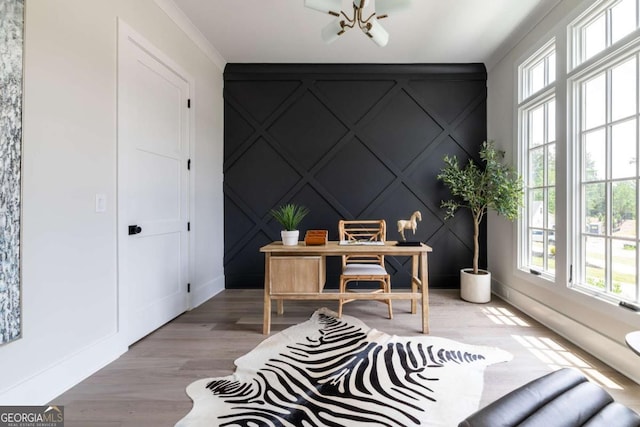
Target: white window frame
x,y
529,101
582,70
525,94
576,31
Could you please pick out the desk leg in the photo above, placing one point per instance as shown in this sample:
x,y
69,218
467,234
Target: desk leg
x,y
266,321
280,305
415,260
424,278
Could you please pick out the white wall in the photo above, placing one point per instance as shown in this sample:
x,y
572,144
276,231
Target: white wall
x,y
595,325
69,262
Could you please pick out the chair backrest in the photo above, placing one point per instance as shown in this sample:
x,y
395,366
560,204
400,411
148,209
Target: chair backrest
x,y
373,230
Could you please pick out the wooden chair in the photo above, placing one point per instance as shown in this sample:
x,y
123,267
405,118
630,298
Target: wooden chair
x,y
367,268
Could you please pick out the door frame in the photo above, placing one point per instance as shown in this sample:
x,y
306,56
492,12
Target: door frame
x,y
126,34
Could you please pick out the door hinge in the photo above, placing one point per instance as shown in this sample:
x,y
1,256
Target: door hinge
x,y
189,103
188,226
188,287
188,164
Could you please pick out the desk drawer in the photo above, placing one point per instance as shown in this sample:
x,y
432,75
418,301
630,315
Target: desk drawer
x,y
299,274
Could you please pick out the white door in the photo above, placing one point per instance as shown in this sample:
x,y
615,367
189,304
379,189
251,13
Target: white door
x,y
153,147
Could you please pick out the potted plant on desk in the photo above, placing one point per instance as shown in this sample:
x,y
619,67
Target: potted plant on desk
x,y
289,216
496,186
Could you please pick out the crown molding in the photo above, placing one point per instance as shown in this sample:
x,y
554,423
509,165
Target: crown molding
x,y
471,71
185,24
519,34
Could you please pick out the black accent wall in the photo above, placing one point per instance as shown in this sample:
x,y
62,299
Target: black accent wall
x,y
348,141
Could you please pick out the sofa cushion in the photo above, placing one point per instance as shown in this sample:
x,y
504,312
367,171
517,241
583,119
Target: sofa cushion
x,y
561,398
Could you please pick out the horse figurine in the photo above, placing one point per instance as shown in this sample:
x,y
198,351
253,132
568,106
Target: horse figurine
x,y
412,224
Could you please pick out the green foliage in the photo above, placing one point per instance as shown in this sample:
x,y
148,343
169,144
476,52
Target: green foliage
x,y
289,215
616,288
496,186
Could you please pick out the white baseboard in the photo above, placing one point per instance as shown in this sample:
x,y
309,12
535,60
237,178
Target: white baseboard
x,y
45,386
206,291
611,352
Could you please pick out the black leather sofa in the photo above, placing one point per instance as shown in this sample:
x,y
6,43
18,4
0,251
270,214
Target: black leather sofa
x,y
563,398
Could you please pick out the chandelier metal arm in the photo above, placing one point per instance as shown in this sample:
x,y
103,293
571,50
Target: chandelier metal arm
x,y
366,21
363,24
351,21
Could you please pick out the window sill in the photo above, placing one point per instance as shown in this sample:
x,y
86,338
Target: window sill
x,y
602,298
532,272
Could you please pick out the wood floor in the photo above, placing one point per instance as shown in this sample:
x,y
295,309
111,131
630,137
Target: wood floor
x,y
145,387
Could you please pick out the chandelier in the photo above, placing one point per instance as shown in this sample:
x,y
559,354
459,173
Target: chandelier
x,y
370,25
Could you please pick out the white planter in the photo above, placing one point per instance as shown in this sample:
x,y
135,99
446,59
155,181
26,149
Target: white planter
x,y
475,287
290,238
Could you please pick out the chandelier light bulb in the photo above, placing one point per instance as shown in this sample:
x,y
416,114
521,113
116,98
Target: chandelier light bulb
x,y
378,34
331,32
332,7
385,8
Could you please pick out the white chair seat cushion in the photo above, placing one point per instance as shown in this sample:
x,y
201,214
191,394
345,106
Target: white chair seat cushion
x,y
364,270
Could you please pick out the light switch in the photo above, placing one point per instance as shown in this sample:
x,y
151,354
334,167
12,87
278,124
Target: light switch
x,y
101,203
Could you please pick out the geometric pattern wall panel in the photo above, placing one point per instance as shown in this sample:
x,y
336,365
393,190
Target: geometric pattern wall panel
x,y
317,130
352,141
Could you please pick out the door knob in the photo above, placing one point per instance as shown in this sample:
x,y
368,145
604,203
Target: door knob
x,y
134,229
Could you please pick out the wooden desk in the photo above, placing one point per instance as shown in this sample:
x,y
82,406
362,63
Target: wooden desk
x,y
419,276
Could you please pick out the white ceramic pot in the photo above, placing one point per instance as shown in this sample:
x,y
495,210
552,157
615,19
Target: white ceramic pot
x,y
290,238
475,287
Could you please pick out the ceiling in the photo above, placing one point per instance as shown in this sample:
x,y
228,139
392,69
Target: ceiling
x,y
430,31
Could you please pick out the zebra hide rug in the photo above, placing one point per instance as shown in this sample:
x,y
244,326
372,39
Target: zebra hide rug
x,y
338,372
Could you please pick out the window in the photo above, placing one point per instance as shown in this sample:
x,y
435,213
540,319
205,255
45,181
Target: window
x,y
600,90
604,146
537,162
538,71
602,26
578,113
